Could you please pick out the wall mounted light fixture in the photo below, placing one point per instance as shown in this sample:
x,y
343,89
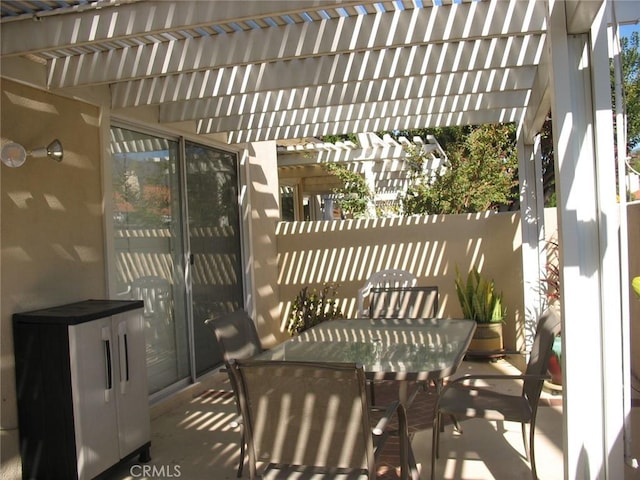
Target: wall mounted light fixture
x,y
14,154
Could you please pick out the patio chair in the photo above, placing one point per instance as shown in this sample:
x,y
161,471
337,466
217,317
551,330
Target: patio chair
x,y
463,400
403,302
383,278
155,292
312,420
238,339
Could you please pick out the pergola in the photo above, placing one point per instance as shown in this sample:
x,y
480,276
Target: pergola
x,y
252,71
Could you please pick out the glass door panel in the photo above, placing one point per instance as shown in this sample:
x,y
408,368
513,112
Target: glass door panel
x,y
149,247
214,239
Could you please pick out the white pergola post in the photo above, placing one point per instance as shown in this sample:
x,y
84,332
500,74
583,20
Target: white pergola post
x,y
533,236
588,233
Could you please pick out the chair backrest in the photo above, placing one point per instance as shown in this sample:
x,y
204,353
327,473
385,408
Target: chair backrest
x,y
384,278
548,329
305,414
236,334
403,302
155,292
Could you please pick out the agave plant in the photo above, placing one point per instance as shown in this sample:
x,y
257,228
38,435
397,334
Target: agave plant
x,y
479,299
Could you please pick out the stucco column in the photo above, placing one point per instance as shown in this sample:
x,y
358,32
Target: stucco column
x,y
259,198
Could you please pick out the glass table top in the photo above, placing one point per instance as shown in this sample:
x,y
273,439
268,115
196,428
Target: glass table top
x,y
392,349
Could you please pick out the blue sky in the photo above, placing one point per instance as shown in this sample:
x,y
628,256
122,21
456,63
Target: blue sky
x,y
627,30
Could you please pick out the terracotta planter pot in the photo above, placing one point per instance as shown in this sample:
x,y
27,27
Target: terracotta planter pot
x,y
487,338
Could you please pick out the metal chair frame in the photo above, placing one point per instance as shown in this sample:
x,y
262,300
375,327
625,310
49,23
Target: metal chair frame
x,y
312,420
384,278
238,338
462,400
403,302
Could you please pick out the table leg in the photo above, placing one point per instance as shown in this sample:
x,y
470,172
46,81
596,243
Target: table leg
x,y
403,390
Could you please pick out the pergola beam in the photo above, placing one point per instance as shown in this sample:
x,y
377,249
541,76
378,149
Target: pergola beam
x,y
487,85
133,20
488,54
298,41
270,131
427,106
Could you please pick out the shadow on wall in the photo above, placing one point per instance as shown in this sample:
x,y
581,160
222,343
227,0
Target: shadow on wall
x,y
347,252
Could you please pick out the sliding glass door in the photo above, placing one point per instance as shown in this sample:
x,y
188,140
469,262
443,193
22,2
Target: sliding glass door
x,y
176,245
214,238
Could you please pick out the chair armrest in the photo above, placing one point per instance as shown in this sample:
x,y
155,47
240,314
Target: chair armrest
x,y
490,353
496,376
384,420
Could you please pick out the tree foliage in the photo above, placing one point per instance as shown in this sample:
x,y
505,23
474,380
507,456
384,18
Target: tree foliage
x,y
355,196
480,174
631,85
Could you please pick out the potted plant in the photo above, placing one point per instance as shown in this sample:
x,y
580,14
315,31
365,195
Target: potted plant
x,y
551,290
482,303
312,307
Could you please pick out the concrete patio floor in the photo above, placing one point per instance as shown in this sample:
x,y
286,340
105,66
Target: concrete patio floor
x,y
192,439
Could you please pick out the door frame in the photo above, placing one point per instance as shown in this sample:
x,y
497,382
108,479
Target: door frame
x,y
108,210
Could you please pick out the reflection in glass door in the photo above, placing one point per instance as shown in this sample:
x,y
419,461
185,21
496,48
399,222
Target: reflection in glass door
x,y
147,229
214,241
153,237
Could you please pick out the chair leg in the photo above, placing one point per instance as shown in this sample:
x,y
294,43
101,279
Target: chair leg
x,y
532,455
372,392
241,461
438,384
525,440
435,440
456,424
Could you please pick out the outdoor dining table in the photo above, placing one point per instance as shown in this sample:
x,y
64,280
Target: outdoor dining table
x,y
429,349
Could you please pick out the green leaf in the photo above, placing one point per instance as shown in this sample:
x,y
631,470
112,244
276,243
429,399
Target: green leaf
x,y
635,284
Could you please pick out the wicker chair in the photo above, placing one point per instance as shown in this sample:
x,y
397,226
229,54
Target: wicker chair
x,y
463,400
238,339
312,420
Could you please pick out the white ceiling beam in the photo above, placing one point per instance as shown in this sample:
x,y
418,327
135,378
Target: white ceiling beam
x,y
380,152
539,102
433,106
478,82
146,19
299,130
393,63
354,34
140,19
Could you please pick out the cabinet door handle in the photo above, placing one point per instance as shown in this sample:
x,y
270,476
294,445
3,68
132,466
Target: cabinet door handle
x,y
106,340
107,361
124,356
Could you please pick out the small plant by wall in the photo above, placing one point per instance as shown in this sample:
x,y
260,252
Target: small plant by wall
x,y
311,307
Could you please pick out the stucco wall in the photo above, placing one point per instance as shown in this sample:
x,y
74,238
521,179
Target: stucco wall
x,y
347,252
51,223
